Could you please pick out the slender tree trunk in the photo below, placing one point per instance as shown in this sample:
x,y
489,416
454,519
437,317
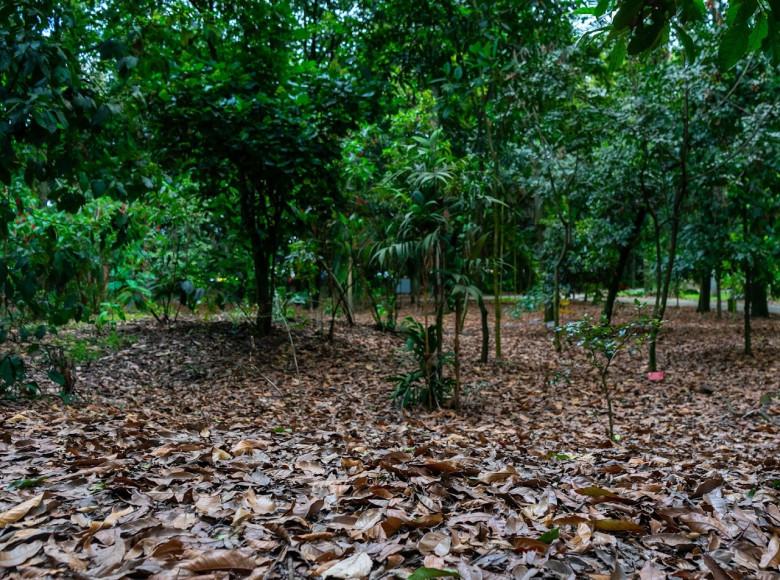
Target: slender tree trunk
x,y
556,303
608,398
679,197
704,292
456,348
719,298
350,283
625,254
483,314
497,280
747,313
748,287
440,303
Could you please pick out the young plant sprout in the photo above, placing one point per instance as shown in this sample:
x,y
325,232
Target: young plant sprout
x,y
603,342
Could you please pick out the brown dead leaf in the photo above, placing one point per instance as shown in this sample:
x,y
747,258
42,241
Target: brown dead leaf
x,y
612,525
717,572
356,566
221,560
437,543
368,519
651,572
427,521
707,486
246,446
529,544
169,549
19,555
17,512
771,556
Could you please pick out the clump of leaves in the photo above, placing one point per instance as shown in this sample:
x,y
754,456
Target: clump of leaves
x,y
426,385
603,342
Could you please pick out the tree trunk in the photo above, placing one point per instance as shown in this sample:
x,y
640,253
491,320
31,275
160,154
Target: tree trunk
x,y
456,348
483,314
625,254
704,293
262,248
747,313
263,290
748,287
719,298
679,197
497,280
759,295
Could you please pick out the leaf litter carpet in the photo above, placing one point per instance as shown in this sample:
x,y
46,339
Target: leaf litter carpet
x,y
199,452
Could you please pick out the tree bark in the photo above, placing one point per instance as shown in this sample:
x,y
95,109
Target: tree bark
x,y
262,248
483,314
759,295
719,297
747,313
704,293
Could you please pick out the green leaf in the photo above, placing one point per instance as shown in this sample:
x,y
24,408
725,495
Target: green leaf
x,y
601,8
26,483
688,45
57,377
423,573
617,55
647,36
740,11
550,535
758,33
733,45
627,14
47,120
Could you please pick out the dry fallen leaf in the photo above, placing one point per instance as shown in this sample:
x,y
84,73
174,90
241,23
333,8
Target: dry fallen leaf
x,y
16,513
610,525
19,555
435,543
356,566
771,556
247,446
323,471
221,560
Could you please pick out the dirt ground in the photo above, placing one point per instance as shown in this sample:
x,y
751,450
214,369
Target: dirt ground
x,y
200,451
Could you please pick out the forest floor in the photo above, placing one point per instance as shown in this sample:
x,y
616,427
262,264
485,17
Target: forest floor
x,y
199,451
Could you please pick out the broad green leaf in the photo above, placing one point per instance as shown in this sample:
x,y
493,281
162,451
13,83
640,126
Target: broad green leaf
x,y
617,55
627,14
550,535
758,33
688,45
647,36
733,45
424,573
57,377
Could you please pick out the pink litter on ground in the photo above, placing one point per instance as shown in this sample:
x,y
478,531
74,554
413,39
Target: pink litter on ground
x,y
656,376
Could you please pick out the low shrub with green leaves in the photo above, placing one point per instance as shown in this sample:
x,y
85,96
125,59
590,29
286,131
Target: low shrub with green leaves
x,y
602,343
426,385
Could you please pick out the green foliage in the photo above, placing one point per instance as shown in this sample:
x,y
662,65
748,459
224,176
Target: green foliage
x,y
602,343
426,385
749,26
204,156
424,573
